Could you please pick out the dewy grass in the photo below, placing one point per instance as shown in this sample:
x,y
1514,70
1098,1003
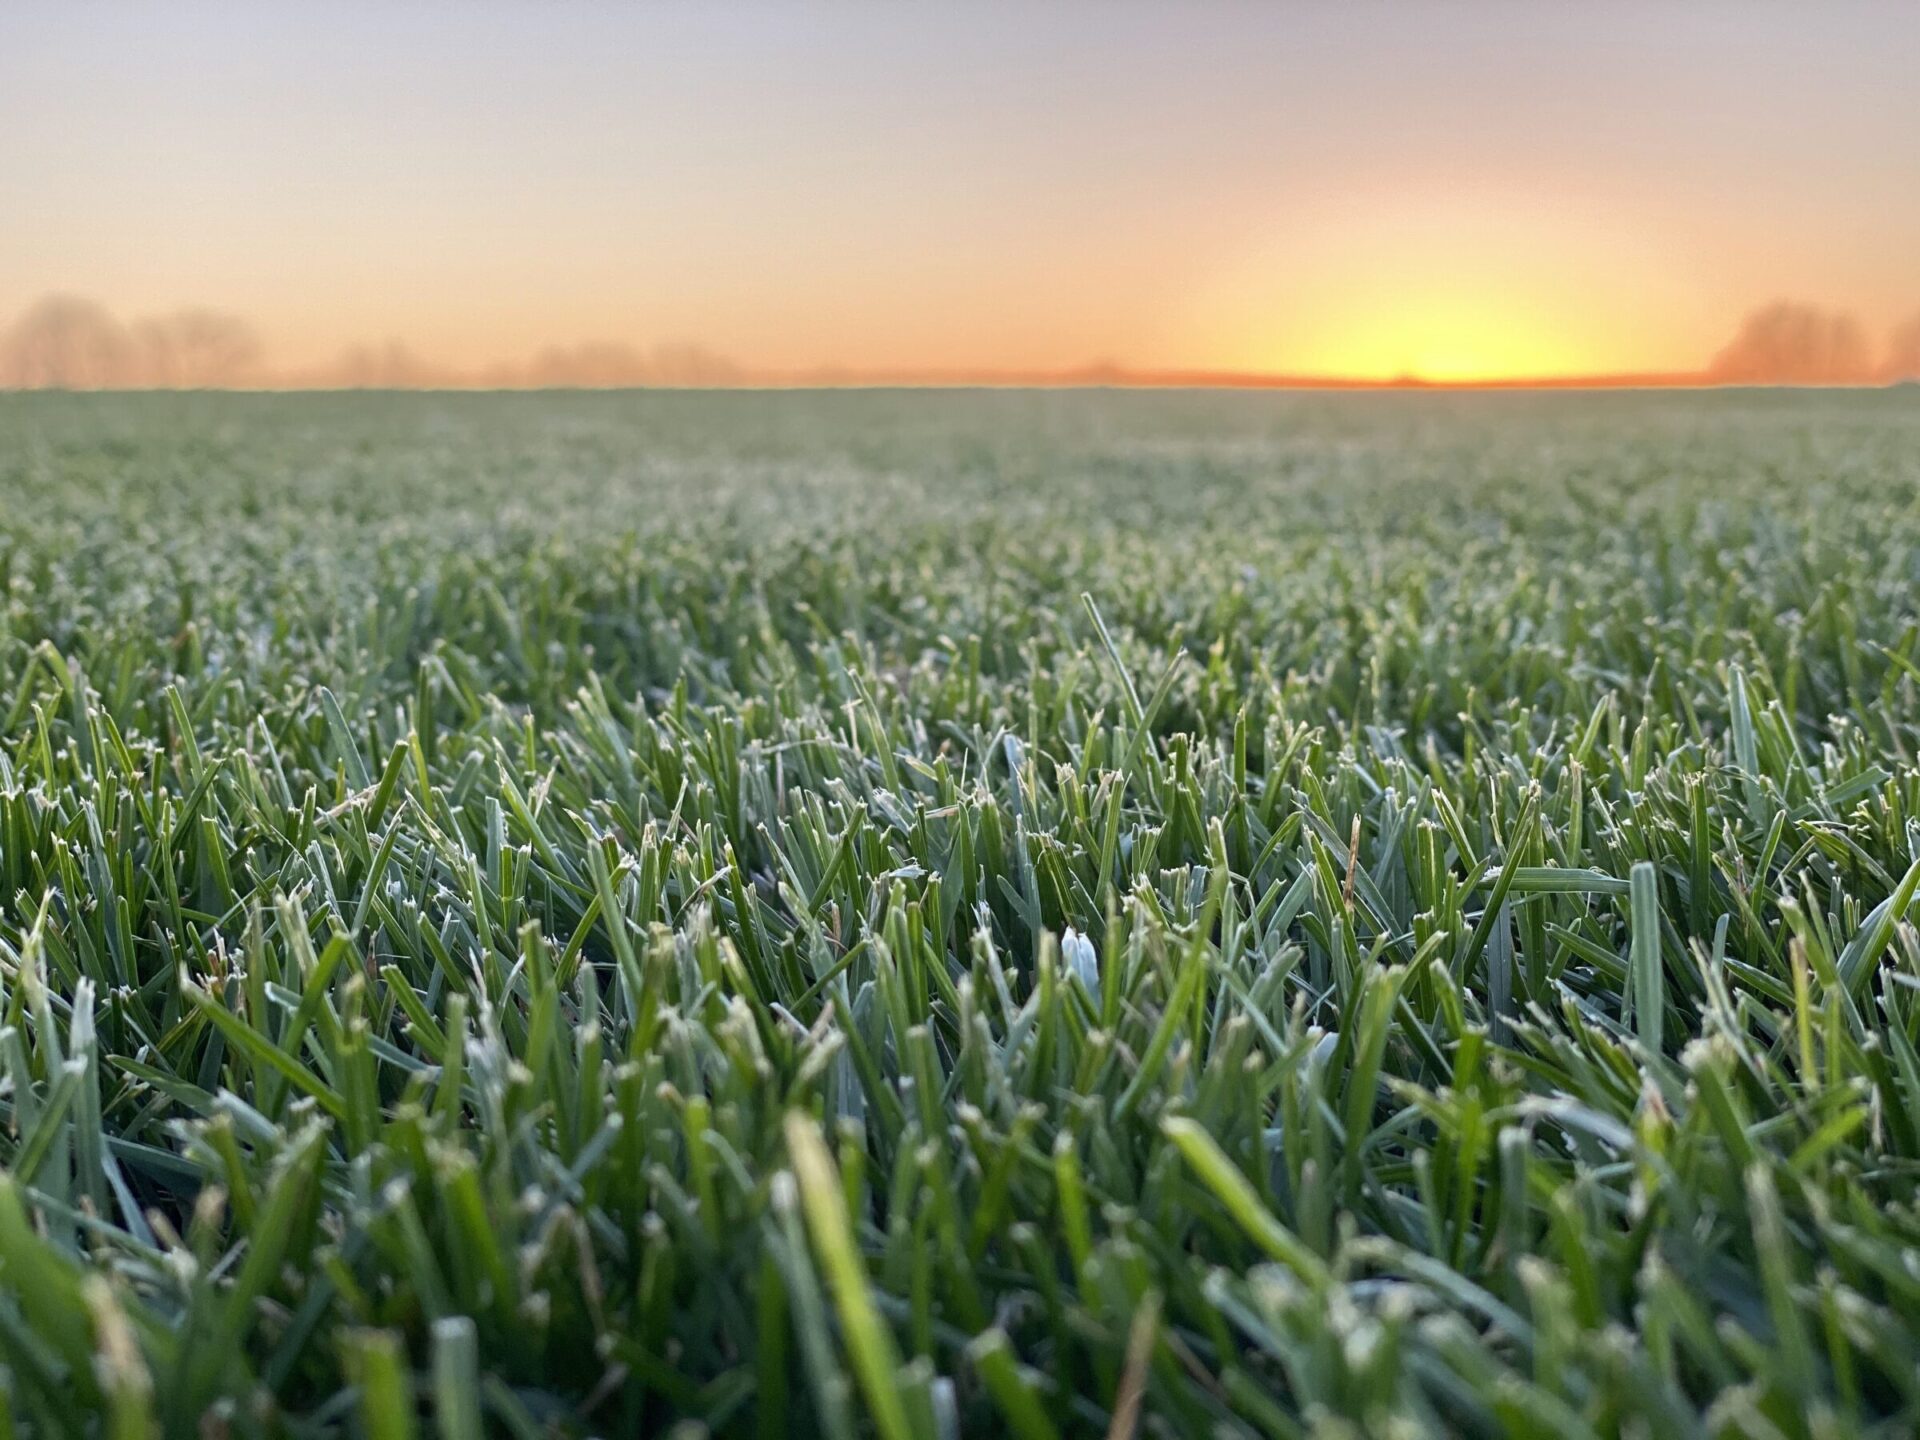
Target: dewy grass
x,y
562,916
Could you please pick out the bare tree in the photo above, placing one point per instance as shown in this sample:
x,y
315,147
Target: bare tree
x,y
197,349
1903,352
1787,343
66,343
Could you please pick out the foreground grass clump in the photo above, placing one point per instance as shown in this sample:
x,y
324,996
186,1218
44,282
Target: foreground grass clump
x,y
576,915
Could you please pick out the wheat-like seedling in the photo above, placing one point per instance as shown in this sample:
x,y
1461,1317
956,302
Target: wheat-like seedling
x,y
922,915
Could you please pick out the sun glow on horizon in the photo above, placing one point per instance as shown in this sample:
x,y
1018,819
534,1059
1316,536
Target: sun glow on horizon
x,y
1405,278
460,192
1448,340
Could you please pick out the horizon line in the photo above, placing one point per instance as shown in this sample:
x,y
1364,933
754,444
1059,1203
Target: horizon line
x,y
67,341
1092,378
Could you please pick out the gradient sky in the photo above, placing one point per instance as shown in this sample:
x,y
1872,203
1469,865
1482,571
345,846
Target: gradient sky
x,y
1450,190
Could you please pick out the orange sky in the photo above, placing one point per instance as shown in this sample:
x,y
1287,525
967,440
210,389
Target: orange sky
x,y
1449,192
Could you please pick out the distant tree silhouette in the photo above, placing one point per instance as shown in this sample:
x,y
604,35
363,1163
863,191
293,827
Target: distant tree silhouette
x,y
1903,354
64,342
1788,343
67,343
197,349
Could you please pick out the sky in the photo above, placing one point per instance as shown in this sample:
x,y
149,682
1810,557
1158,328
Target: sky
x,y
1449,191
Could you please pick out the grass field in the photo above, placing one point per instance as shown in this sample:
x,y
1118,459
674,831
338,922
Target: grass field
x,y
923,915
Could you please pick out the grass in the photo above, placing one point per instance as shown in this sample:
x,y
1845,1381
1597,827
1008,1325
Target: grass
x,y
921,915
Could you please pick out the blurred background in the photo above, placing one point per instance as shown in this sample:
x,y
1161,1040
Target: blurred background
x,y
213,194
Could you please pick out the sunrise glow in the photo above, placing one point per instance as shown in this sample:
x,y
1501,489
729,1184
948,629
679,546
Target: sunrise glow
x,y
773,194
1446,340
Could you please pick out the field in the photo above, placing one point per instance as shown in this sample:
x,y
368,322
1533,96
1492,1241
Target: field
x,y
922,915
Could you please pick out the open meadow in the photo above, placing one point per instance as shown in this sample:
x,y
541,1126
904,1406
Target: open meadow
x,y
917,914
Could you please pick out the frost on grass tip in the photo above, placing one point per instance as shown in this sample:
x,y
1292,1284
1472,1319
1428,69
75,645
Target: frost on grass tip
x,y
525,915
